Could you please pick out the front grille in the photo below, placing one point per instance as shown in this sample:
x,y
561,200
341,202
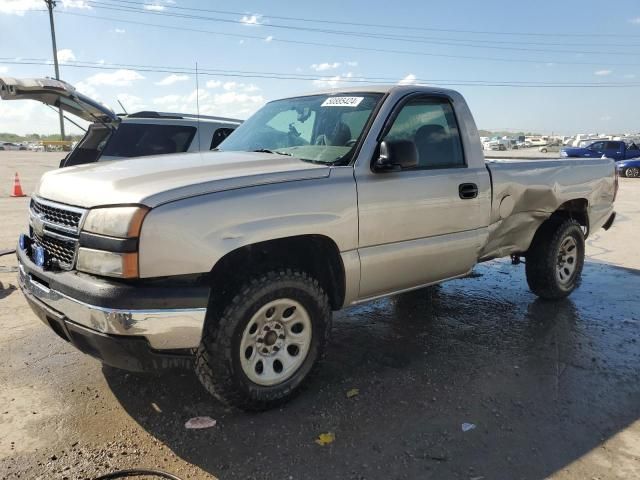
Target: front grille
x,y
60,216
60,252
56,227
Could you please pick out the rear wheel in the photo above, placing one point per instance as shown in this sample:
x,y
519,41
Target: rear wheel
x,y
257,351
555,259
544,150
632,172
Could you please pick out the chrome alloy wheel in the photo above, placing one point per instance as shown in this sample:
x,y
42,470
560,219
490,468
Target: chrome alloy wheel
x,y
275,342
567,260
632,172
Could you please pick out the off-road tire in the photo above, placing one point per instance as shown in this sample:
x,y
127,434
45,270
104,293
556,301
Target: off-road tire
x,y
542,258
218,357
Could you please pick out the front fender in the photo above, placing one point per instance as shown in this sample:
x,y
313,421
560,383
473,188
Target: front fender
x,y
191,235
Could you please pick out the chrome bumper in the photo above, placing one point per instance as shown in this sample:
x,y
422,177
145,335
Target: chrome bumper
x,y
164,329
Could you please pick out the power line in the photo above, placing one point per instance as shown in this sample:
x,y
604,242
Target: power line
x,y
304,77
391,26
350,47
377,36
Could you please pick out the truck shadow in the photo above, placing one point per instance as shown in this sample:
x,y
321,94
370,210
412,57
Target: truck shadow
x,y
542,383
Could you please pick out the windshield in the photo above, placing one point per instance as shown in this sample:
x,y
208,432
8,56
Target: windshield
x,y
319,128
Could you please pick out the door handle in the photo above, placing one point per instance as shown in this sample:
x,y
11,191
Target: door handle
x,y
467,191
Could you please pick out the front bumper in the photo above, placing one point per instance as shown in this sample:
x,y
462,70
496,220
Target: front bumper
x,y
135,337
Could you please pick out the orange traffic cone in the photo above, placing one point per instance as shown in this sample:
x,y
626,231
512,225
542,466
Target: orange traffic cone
x,y
17,188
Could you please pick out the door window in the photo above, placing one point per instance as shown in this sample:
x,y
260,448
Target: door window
x,y
431,124
613,146
219,135
598,146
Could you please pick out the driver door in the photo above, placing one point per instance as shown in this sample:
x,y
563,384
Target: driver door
x,y
420,225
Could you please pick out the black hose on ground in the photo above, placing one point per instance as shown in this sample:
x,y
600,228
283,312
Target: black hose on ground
x,y
137,472
7,251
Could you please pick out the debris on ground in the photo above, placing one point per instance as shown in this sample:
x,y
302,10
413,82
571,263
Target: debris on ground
x,y
325,439
354,392
468,426
200,422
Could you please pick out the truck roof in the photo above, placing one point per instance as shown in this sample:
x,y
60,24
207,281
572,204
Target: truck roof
x,y
382,89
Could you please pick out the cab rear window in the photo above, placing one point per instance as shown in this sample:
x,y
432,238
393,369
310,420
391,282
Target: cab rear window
x,y
139,140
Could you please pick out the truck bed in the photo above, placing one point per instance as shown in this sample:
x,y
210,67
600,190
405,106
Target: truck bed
x,y
526,192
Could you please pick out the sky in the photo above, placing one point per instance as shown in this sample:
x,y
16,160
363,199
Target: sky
x,y
527,66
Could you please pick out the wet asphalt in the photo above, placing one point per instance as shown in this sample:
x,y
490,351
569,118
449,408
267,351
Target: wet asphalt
x,y
548,389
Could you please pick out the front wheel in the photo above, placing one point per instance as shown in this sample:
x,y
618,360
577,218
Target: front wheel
x,y
555,259
544,150
632,172
257,351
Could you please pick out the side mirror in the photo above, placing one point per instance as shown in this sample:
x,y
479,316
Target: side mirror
x,y
396,155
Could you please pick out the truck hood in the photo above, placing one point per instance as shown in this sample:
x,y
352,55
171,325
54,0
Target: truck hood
x,y
160,179
632,162
56,93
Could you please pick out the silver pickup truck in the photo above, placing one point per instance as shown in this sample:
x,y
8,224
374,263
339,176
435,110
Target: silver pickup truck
x,y
230,262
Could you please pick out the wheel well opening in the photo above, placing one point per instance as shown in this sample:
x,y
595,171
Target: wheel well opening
x,y
315,254
577,210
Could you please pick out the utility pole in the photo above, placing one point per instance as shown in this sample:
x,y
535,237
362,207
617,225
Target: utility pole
x,y
50,5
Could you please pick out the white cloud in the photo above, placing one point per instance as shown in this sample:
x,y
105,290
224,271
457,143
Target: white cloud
x,y
19,7
232,104
269,38
4,69
82,4
351,64
630,75
321,67
606,118
120,30
251,19
408,80
131,102
167,100
635,21
154,7
118,78
171,79
237,100
66,55
213,83
243,87
32,117
331,82
603,73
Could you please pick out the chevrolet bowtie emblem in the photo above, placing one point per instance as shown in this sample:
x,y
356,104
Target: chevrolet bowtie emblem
x,y
38,225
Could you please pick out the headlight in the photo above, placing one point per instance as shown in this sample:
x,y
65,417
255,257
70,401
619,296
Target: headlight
x,y
100,262
108,241
121,222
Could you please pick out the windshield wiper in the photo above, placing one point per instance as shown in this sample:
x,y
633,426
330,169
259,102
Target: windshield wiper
x,y
266,150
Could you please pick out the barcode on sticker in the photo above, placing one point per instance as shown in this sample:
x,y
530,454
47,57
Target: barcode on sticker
x,y
342,102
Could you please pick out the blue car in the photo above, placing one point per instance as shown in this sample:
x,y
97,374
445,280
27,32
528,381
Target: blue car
x,y
616,150
629,168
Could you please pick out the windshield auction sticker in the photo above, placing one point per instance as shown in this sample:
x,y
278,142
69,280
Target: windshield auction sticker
x,y
342,102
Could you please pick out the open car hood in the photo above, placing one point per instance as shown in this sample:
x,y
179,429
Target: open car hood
x,y
57,94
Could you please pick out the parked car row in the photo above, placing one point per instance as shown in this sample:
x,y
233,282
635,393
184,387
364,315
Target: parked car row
x,y
12,146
